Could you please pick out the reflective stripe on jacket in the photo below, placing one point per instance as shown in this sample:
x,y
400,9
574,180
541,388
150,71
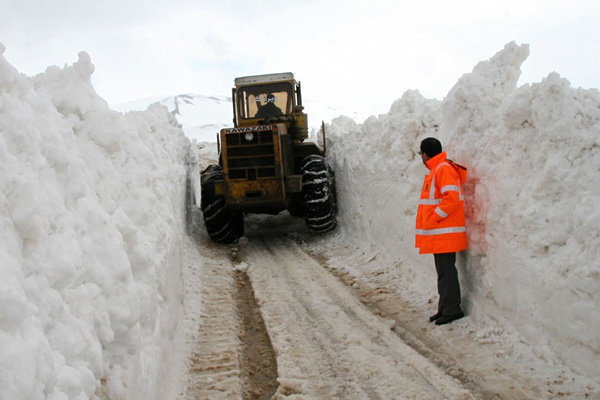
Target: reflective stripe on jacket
x,y
441,213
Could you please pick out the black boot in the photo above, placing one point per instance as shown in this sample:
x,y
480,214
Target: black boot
x,y
446,319
436,316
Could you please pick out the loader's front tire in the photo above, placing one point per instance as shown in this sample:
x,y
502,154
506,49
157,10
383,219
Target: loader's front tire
x,y
318,194
223,225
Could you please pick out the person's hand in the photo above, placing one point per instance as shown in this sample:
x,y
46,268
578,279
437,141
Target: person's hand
x,y
433,220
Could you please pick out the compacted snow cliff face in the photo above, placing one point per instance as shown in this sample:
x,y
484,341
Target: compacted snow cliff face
x,y
533,156
90,238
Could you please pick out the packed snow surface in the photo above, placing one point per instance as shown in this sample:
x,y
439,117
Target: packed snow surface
x,y
328,345
94,259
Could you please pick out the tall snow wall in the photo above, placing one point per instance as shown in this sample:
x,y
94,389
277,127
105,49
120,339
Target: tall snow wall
x,y
532,199
90,232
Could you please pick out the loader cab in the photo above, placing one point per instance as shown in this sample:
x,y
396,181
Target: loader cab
x,y
256,98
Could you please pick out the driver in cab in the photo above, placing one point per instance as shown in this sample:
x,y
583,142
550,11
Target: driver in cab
x,y
269,109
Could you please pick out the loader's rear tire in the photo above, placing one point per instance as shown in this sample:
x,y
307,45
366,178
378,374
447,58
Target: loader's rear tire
x,y
318,194
222,225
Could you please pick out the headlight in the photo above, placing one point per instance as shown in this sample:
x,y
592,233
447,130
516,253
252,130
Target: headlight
x,y
249,136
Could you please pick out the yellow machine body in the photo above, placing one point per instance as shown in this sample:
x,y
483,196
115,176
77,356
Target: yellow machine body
x,y
261,155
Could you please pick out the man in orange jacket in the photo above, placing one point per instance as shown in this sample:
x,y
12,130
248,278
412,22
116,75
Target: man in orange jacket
x,y
441,225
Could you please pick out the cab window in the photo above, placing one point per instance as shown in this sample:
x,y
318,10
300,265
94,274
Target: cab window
x,y
260,100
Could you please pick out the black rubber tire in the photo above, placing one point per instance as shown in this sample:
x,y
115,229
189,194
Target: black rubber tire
x,y
318,194
222,225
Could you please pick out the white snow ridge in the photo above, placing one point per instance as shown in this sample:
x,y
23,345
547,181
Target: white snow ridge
x,y
90,239
103,295
533,154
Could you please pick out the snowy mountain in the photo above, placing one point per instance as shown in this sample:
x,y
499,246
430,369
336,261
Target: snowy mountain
x,y
202,117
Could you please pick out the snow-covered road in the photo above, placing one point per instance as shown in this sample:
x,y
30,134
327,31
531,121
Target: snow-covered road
x,y
284,320
325,342
328,344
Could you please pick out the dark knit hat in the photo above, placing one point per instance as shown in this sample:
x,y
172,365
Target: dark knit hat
x,y
431,146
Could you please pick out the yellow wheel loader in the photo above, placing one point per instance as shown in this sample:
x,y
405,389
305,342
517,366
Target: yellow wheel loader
x,y
265,165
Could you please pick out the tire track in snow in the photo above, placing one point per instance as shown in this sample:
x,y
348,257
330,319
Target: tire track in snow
x,y
487,378
232,356
328,344
214,371
257,359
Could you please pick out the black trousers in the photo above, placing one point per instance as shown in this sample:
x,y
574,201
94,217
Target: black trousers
x,y
447,283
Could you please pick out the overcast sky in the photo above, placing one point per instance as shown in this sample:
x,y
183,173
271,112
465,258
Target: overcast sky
x,y
357,54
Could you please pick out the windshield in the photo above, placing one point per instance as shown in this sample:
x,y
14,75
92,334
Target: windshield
x,y
263,101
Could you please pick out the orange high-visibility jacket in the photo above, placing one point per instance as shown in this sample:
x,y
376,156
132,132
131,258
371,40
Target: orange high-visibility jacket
x,y
441,214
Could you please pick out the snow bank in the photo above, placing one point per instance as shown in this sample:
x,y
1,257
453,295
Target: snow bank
x,y
533,154
90,239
